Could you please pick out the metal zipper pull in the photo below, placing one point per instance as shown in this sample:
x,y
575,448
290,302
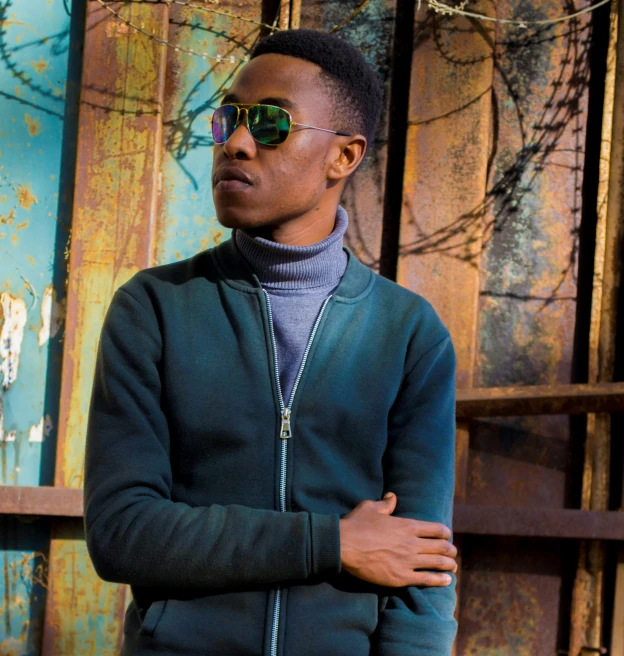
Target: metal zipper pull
x,y
285,430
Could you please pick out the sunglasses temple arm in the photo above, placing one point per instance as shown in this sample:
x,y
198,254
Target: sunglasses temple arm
x,y
343,134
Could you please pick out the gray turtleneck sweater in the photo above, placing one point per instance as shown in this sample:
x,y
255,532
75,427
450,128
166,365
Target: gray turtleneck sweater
x,y
298,279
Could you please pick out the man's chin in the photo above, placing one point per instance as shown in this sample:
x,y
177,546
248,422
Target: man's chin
x,y
235,219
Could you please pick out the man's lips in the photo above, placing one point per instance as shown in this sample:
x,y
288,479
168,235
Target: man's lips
x,y
231,178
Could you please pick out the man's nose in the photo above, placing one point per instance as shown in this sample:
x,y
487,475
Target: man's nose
x,y
240,144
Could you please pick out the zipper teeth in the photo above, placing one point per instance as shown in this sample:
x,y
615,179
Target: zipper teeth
x,y
276,610
275,363
307,351
282,484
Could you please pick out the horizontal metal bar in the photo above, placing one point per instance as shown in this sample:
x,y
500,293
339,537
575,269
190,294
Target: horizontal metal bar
x,y
43,500
539,522
467,519
540,400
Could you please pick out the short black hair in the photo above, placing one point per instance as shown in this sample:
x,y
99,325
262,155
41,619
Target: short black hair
x,y
350,80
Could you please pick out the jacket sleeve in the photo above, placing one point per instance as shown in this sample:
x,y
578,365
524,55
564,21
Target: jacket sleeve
x,y
419,466
135,532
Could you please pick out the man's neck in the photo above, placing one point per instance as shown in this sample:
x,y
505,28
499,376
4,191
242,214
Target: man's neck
x,y
309,228
284,266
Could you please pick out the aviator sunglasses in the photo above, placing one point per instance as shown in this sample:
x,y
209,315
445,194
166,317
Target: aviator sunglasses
x,y
268,124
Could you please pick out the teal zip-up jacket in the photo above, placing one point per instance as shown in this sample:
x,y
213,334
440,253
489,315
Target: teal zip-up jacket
x,y
227,533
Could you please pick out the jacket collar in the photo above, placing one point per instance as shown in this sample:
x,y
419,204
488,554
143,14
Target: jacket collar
x,y
356,282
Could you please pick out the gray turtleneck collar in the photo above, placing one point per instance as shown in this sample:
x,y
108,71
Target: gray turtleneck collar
x,y
280,266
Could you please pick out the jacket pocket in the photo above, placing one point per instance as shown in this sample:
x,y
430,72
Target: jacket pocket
x,y
153,616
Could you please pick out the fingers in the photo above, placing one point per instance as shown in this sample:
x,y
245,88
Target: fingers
x,y
428,561
430,579
434,546
425,529
387,505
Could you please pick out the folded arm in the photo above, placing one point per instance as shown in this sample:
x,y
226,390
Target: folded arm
x,y
135,532
419,466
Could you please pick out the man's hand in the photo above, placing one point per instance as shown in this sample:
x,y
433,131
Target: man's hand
x,y
386,550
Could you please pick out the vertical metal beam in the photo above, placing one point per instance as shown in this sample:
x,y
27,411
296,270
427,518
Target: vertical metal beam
x,y
295,14
445,173
284,16
587,598
613,258
114,217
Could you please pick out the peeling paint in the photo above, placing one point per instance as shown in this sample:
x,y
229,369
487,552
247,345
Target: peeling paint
x,y
41,430
14,319
52,315
7,436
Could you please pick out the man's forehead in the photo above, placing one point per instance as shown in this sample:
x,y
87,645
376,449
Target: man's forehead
x,y
280,101
271,77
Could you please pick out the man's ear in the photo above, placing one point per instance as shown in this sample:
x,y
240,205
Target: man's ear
x,y
348,157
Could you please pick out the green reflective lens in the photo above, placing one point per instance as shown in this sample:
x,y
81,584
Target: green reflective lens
x,y
268,124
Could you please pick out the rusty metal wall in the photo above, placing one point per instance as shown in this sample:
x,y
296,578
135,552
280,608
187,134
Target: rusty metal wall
x,y
492,201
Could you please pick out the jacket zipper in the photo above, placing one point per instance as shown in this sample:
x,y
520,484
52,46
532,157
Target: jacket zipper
x,y
285,433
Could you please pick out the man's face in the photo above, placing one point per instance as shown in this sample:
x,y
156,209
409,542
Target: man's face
x,y
291,178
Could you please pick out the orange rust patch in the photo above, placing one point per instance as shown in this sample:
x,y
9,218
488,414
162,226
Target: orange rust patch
x,y
40,65
25,197
31,259
8,219
34,126
22,225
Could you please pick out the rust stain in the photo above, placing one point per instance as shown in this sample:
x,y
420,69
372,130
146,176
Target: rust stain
x,y
25,197
22,225
40,65
506,613
34,126
9,218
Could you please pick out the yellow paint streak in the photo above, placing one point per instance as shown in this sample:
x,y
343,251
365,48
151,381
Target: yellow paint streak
x,y
25,197
34,126
14,239
31,259
21,226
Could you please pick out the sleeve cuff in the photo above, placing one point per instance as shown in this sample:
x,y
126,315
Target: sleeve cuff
x,y
325,539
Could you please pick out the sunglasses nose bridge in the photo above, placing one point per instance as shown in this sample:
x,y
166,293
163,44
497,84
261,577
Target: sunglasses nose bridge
x,y
242,120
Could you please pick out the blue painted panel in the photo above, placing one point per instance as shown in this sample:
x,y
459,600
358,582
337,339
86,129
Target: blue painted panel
x,y
194,90
38,94
34,46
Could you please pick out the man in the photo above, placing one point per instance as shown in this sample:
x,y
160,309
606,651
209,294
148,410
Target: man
x,y
270,441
